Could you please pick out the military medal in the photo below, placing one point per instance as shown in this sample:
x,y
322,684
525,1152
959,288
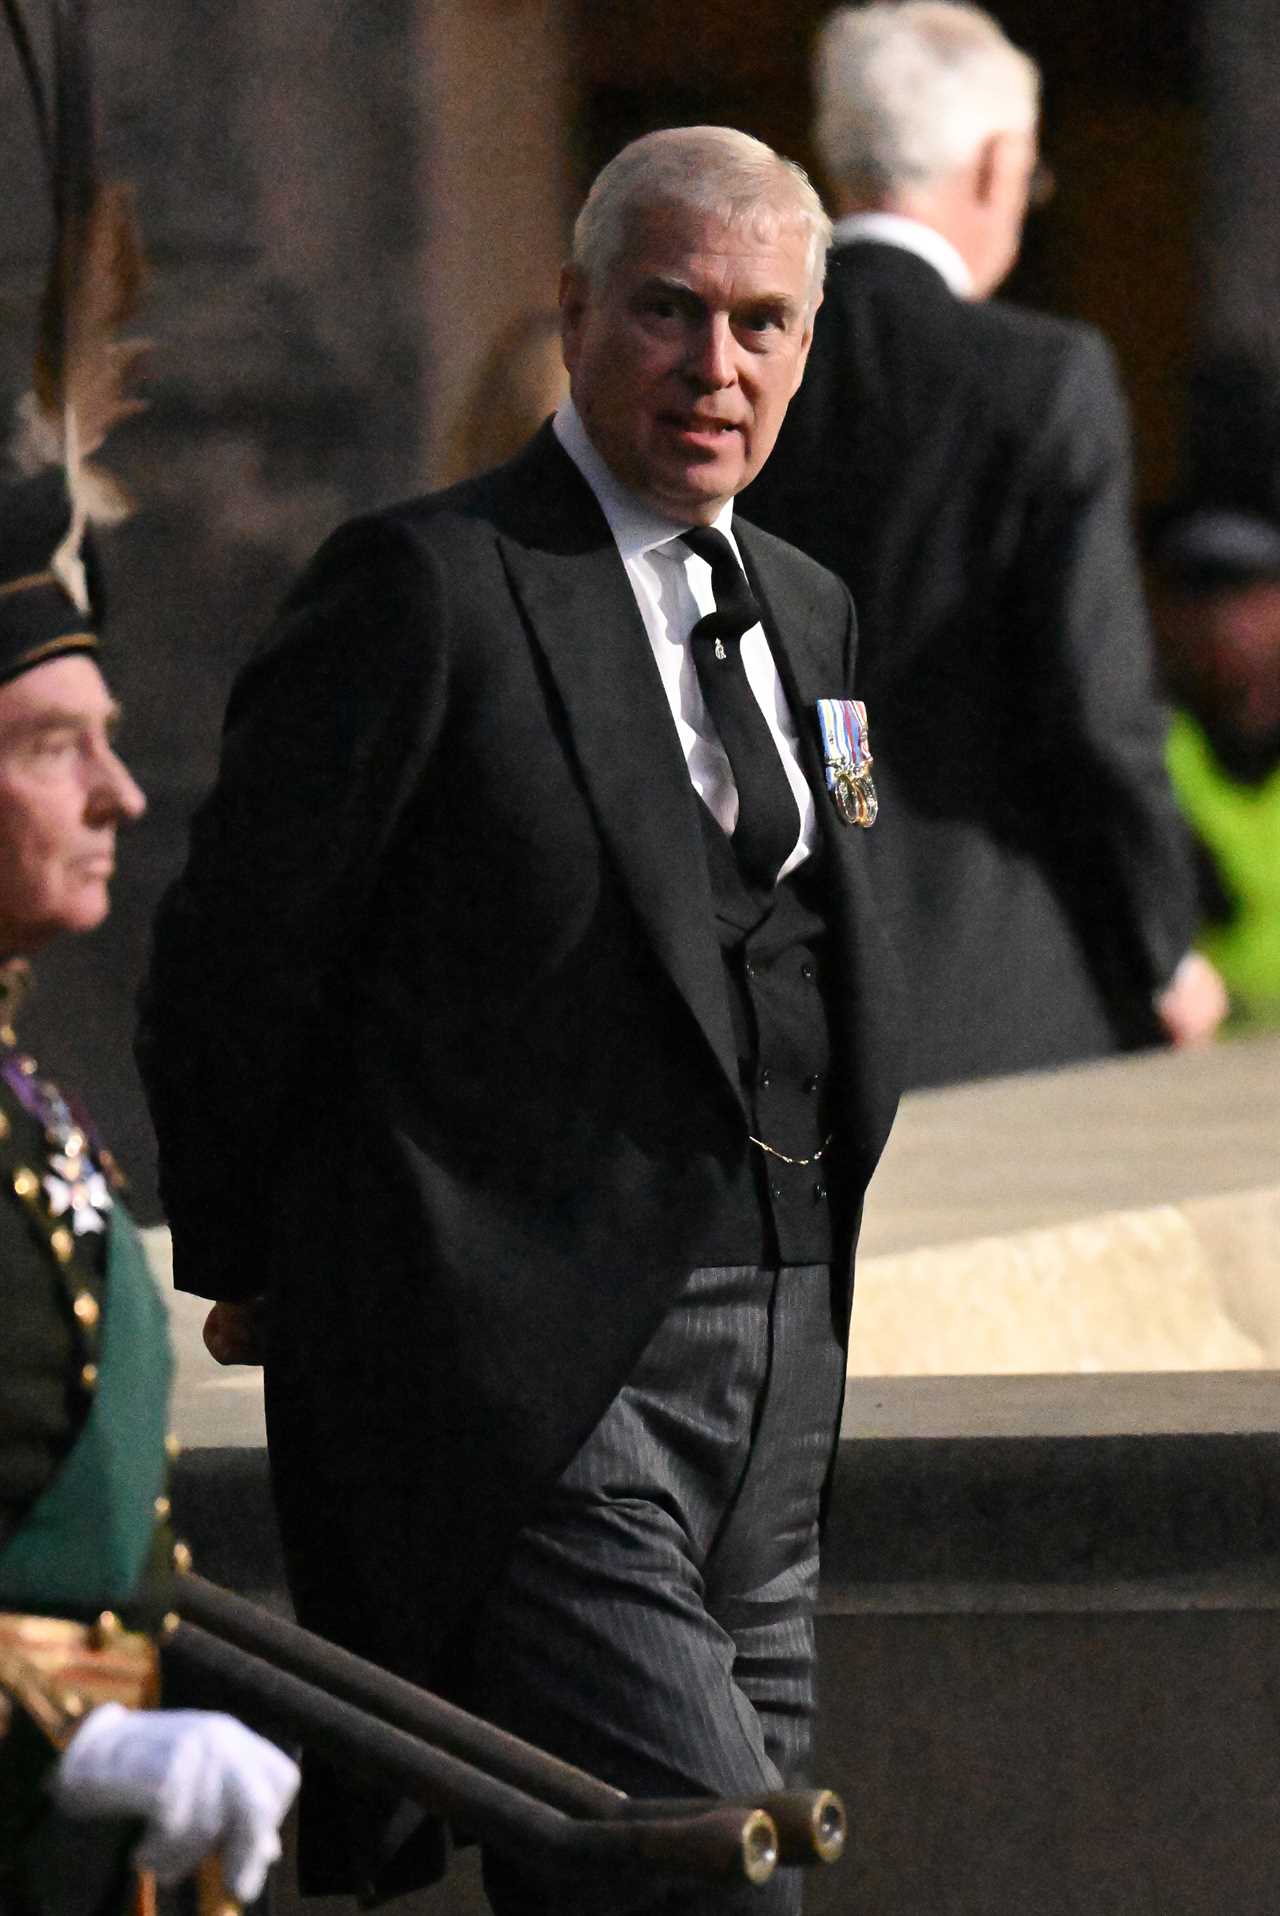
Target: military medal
x,y
75,1187
846,755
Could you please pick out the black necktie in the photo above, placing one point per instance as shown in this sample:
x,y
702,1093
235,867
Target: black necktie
x,y
768,817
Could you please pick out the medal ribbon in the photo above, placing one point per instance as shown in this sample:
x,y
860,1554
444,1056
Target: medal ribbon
x,y
845,744
846,753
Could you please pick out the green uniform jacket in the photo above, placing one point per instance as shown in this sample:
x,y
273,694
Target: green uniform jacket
x,y
84,1383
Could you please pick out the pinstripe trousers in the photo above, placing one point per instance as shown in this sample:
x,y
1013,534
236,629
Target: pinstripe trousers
x,y
654,1622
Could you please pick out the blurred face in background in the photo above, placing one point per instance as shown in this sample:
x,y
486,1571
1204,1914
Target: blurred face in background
x,y
1222,654
63,793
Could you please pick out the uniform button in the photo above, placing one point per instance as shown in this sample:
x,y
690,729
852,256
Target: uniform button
x,y
750,967
63,1246
775,1192
89,1377
163,1509
4,1125
86,1309
766,1076
25,1182
172,1447
819,1192
806,971
811,1083
182,1559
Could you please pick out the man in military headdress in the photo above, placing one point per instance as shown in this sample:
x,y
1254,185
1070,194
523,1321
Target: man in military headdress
x,y
84,1354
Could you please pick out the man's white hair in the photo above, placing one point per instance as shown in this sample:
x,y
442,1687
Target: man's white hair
x,y
713,170
907,93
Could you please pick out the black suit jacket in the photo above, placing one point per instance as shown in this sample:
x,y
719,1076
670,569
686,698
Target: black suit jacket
x,y
436,1032
965,468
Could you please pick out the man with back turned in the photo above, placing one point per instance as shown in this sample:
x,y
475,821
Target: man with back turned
x,y
963,464
520,1038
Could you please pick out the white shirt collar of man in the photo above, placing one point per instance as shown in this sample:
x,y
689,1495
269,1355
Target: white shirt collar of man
x,y
913,236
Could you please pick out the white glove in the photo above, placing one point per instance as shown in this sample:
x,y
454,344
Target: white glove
x,y
199,1780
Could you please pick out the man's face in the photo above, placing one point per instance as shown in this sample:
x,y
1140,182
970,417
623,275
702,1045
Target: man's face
x,y
1222,653
683,361
63,792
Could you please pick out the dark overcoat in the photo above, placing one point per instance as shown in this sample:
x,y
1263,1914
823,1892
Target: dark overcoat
x,y
964,466
436,1031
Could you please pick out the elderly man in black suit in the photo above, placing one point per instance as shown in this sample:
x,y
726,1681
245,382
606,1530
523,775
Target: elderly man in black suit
x,y
964,466
521,1029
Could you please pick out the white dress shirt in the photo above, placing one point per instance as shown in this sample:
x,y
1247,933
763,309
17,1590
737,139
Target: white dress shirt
x,y
673,590
913,236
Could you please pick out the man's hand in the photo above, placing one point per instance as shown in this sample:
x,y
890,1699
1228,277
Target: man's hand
x,y
1193,1003
233,1332
199,1781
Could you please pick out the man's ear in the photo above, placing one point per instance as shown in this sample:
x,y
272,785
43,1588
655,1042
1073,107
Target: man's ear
x,y
987,168
573,302
806,340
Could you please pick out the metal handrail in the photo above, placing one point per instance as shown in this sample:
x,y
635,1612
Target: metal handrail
x,y
805,1826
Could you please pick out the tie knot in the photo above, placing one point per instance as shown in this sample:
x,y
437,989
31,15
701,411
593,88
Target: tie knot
x,y
710,544
734,601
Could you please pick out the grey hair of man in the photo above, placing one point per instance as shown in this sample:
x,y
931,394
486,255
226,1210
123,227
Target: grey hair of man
x,y
908,93
715,171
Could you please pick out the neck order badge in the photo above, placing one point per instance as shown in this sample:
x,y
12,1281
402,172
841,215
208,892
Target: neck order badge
x,y
846,754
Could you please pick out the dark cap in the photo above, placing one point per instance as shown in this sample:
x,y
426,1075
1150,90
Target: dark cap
x,y
48,604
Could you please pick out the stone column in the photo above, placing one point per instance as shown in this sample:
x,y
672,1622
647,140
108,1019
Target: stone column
x,y
275,152
494,191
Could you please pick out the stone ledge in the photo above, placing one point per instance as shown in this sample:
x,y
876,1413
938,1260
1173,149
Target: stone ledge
x,y
1174,1514
1129,1404
1173,1288
1022,1153
1149,1596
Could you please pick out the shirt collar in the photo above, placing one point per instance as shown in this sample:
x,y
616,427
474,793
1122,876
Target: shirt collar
x,y
913,236
636,527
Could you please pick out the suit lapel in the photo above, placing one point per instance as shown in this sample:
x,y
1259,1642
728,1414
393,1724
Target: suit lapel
x,y
799,665
573,589
869,1015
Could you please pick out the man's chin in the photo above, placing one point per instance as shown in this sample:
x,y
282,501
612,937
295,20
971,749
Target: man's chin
x,y
696,493
86,911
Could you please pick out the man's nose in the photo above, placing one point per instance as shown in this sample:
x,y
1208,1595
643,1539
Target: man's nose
x,y
711,360
116,793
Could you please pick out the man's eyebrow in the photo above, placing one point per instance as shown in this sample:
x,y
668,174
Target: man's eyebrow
x,y
672,286
54,718
786,301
